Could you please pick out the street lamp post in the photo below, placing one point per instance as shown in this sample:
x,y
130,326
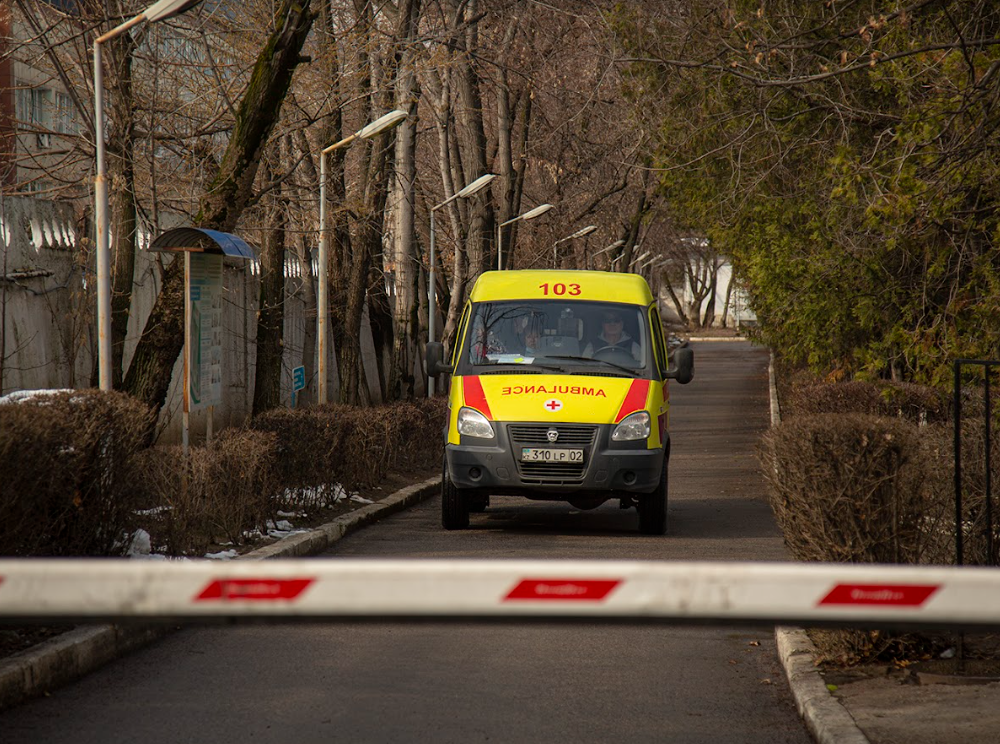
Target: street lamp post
x,y
467,191
156,12
390,120
529,215
578,234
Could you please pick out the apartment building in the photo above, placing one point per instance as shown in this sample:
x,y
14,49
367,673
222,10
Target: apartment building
x,y
40,149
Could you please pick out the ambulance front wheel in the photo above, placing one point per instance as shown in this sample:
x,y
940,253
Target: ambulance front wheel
x,y
454,504
652,508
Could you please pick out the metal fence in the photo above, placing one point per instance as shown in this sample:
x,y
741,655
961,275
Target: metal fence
x,y
986,368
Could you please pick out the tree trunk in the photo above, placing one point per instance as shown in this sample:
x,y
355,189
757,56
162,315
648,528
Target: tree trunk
x,y
405,304
369,237
302,248
505,154
148,377
121,190
678,305
341,247
725,306
441,108
271,313
641,208
709,318
473,137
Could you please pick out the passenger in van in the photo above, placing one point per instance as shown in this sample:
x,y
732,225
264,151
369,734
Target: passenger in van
x,y
613,335
525,334
532,342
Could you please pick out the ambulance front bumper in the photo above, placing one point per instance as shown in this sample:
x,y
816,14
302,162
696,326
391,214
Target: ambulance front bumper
x,y
496,465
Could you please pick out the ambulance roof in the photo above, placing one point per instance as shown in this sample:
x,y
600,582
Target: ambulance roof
x,y
553,284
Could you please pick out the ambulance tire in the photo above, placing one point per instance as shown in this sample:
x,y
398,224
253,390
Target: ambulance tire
x,y
454,505
652,508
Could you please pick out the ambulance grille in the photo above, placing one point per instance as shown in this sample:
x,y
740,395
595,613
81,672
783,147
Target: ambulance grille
x,y
550,471
537,434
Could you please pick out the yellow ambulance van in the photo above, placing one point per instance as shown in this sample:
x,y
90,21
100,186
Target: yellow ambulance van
x,y
559,392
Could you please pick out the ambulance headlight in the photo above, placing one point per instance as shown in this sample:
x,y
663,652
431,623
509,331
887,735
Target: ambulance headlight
x,y
632,427
472,423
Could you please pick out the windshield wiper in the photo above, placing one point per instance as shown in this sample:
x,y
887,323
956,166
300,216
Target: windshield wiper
x,y
526,369
632,372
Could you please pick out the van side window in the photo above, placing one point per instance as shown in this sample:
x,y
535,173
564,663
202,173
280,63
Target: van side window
x,y
659,347
460,335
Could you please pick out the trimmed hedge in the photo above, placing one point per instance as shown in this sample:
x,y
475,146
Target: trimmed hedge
x,y
916,403
862,472
353,446
65,472
224,493
857,488
75,479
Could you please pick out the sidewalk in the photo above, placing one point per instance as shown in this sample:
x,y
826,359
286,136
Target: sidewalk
x,y
876,705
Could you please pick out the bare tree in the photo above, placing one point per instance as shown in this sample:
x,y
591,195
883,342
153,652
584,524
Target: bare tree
x,y
149,375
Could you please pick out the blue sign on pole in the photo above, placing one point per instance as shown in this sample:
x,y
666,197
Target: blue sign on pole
x,y
298,382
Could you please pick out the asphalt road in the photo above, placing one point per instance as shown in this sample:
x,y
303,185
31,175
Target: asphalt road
x,y
371,682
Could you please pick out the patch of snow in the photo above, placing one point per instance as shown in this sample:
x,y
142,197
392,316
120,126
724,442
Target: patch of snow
x,y
22,396
153,511
141,545
360,499
223,555
317,497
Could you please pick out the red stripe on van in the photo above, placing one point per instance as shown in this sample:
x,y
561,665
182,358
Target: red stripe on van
x,y
635,399
472,389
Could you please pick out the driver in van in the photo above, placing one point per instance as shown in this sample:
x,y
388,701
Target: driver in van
x,y
613,336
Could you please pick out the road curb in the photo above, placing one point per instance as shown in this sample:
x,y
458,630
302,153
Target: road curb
x,y
72,655
827,720
720,338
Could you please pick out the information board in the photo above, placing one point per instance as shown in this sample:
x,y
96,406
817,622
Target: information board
x,y
206,330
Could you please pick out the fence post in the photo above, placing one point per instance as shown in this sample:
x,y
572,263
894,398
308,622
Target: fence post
x,y
958,462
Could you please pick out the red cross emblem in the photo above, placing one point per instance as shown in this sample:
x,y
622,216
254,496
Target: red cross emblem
x,y
553,405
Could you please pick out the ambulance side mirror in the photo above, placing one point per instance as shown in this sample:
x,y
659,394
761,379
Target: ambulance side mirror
x,y
683,369
434,355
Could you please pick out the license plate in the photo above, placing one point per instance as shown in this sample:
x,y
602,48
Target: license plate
x,y
536,454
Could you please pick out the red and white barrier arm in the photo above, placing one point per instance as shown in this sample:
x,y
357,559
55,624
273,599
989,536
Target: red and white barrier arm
x,y
799,593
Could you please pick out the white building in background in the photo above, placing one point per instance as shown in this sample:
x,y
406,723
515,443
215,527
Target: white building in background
x,y
734,314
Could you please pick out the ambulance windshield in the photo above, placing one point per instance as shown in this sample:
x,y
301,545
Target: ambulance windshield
x,y
547,332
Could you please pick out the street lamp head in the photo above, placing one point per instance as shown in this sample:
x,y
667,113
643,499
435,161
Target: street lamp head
x,y
477,185
167,9
536,212
381,124
393,118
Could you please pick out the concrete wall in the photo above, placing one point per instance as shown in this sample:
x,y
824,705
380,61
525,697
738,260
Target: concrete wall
x,y
48,308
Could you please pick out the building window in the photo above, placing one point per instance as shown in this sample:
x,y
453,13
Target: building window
x,y
66,122
34,111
